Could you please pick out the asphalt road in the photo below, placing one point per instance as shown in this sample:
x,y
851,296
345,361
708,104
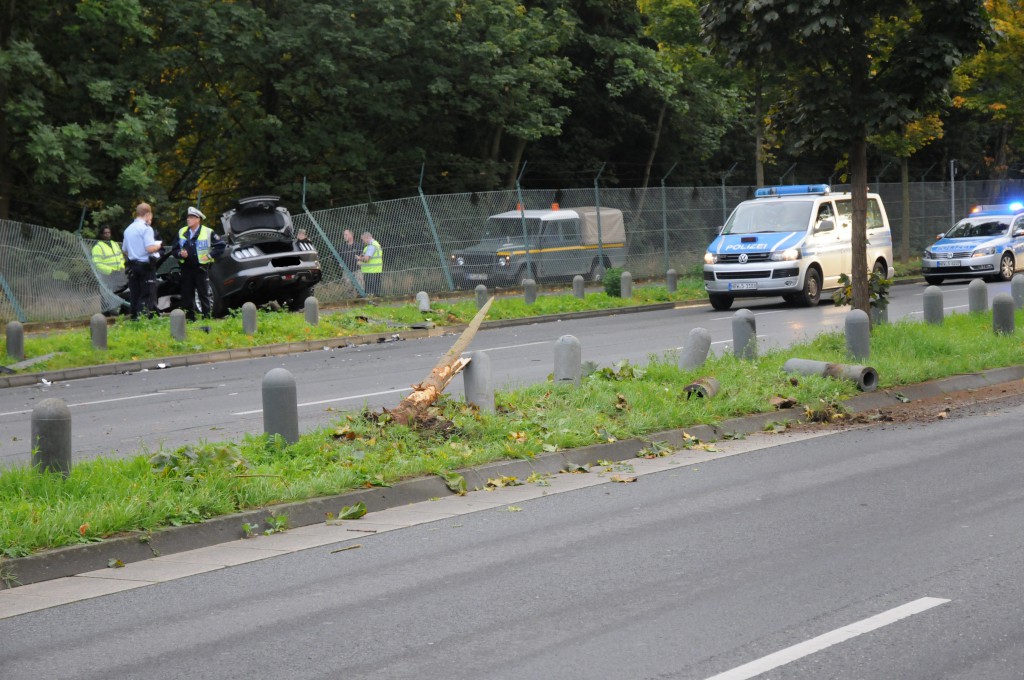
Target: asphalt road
x,y
889,551
123,415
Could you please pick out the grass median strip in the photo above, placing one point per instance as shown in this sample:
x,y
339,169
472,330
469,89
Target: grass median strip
x,y
107,497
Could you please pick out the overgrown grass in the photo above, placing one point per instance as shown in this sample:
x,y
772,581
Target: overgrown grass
x,y
105,497
149,338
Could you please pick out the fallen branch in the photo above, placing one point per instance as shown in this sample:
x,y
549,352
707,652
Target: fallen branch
x,y
429,390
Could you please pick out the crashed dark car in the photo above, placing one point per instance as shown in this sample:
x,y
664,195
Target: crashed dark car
x,y
263,261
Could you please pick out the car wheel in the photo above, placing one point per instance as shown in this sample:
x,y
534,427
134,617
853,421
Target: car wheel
x,y
811,293
218,309
933,280
720,302
1006,267
880,270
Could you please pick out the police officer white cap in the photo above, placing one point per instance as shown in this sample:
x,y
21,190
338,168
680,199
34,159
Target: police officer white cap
x,y
195,212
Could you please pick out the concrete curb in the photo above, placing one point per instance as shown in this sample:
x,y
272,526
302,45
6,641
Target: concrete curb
x,y
137,546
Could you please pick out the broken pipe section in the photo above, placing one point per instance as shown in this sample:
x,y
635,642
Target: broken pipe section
x,y
865,376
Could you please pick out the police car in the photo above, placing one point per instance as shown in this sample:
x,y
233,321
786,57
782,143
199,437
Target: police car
x,y
792,241
987,243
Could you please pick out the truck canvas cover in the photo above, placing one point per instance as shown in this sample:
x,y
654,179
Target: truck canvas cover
x,y
613,229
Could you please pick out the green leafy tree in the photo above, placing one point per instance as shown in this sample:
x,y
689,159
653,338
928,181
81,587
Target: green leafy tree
x,y
853,70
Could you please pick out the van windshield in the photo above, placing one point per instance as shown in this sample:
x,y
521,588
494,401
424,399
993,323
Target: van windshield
x,y
773,216
510,227
981,226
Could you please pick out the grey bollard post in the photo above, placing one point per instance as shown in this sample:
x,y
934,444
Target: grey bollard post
x,y
1002,314
695,349
15,340
933,305
51,436
481,295
311,309
865,376
578,287
626,285
858,334
977,296
280,405
1017,290
568,360
672,280
529,291
178,325
423,301
98,331
744,334
478,383
249,318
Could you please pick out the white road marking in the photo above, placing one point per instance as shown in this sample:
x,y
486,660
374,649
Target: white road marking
x,y
528,344
329,401
91,403
782,657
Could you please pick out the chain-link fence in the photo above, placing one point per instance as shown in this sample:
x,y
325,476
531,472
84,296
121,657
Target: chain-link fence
x,y
47,275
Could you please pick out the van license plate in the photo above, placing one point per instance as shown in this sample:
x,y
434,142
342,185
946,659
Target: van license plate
x,y
476,277
743,286
948,263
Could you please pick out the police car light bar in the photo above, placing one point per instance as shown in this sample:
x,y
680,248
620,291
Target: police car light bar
x,y
791,190
998,208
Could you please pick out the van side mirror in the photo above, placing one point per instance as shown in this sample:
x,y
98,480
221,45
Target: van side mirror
x,y
824,225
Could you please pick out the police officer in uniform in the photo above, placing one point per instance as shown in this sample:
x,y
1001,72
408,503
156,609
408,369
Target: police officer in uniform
x,y
139,243
197,246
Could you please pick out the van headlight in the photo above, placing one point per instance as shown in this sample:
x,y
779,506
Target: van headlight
x,y
982,252
710,258
929,255
458,260
787,255
503,260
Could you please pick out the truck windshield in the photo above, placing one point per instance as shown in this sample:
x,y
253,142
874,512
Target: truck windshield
x,y
983,226
510,227
774,216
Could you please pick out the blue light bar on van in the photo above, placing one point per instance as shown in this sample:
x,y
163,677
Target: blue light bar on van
x,y
791,190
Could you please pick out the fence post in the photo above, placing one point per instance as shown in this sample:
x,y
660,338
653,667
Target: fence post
x,y
433,231
568,360
600,236
18,311
933,305
51,437
330,246
311,310
1002,314
478,383
858,334
15,340
744,334
249,318
280,405
98,331
664,216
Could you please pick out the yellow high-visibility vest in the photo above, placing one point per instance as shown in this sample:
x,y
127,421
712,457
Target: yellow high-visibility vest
x,y
107,257
375,265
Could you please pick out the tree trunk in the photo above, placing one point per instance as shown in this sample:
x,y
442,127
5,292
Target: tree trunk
x,y
654,145
858,241
513,168
758,134
428,391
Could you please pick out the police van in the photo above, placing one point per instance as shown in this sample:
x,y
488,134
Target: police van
x,y
987,243
792,241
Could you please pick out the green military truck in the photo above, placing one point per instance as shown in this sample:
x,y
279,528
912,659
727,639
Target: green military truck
x,y
561,242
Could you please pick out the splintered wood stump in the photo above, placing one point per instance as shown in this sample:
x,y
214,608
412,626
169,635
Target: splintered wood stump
x,y
414,407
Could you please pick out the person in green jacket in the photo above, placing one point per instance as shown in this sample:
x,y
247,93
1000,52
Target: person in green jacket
x,y
109,262
371,262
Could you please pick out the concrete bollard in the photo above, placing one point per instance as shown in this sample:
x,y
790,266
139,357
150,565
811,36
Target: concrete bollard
x,y
568,360
705,388
177,319
1002,314
478,382
672,280
423,301
280,405
529,291
977,296
98,331
481,296
933,305
744,334
1017,290
695,349
578,287
51,437
311,310
15,340
626,285
858,334
865,376
249,318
